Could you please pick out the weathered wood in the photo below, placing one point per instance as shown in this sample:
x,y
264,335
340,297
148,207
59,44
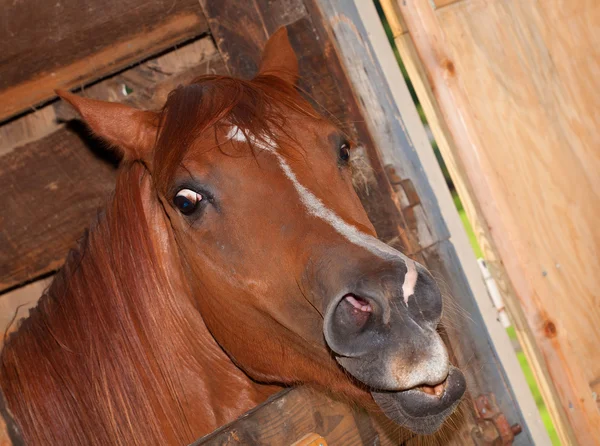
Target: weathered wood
x,y
311,439
449,151
53,187
512,81
48,45
292,414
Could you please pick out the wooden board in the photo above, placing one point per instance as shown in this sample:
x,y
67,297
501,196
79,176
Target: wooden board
x,y
46,45
447,147
54,187
291,414
512,80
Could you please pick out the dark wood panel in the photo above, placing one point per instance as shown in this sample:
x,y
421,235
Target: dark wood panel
x,y
51,190
239,32
53,187
46,45
292,414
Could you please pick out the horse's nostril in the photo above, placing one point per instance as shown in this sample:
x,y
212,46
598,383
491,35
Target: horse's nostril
x,y
352,313
358,303
350,325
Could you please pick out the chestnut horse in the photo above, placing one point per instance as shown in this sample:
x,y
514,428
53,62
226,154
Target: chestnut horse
x,y
233,259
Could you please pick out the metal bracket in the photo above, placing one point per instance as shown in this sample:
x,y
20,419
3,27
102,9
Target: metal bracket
x,y
492,427
404,187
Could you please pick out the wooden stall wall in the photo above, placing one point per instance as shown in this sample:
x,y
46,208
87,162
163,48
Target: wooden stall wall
x,y
512,88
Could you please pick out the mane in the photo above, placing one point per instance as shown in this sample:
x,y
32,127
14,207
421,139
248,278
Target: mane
x,y
100,328
210,103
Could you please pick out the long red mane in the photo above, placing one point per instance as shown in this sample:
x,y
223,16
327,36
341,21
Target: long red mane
x,y
92,353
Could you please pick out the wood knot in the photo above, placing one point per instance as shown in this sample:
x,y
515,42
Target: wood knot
x,y
549,329
448,67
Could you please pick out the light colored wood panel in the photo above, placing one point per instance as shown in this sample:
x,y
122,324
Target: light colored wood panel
x,y
393,17
442,3
518,98
448,149
15,305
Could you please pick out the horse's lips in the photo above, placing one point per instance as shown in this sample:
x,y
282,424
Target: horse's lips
x,y
420,412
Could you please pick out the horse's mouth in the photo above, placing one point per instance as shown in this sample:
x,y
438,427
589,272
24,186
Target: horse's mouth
x,y
423,409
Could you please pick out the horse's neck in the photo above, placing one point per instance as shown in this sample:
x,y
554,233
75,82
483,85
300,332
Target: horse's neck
x,y
116,354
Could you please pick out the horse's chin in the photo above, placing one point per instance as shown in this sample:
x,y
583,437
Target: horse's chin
x,y
421,412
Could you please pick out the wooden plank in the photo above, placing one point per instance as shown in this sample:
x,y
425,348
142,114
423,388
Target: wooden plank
x,y
54,186
33,126
442,3
509,76
48,45
448,149
288,416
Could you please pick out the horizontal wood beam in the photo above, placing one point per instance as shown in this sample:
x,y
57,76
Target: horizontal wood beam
x,y
48,45
290,415
54,187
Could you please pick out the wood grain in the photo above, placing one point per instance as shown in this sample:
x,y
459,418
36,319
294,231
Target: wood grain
x,y
512,80
442,3
292,414
53,187
448,149
48,45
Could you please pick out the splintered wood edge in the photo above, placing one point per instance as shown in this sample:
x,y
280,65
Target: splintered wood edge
x,y
311,439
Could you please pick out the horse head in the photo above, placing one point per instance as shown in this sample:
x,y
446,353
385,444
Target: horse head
x,y
281,260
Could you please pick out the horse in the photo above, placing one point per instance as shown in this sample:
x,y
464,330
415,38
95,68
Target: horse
x,y
233,259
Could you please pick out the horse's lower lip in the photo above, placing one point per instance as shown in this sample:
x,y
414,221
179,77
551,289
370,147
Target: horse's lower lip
x,y
420,411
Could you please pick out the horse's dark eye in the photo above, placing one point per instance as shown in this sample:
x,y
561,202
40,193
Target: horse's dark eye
x,y
345,152
187,201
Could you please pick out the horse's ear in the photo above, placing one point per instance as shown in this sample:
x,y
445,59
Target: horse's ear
x,y
131,130
279,59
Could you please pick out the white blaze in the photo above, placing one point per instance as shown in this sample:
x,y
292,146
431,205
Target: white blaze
x,y
410,280
315,207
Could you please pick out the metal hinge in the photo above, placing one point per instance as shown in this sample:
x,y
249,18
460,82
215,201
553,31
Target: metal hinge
x,y
492,427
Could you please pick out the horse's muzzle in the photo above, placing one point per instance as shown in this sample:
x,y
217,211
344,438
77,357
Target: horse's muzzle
x,y
390,344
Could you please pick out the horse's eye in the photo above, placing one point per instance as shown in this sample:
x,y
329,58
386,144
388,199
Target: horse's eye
x,y
345,152
187,201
